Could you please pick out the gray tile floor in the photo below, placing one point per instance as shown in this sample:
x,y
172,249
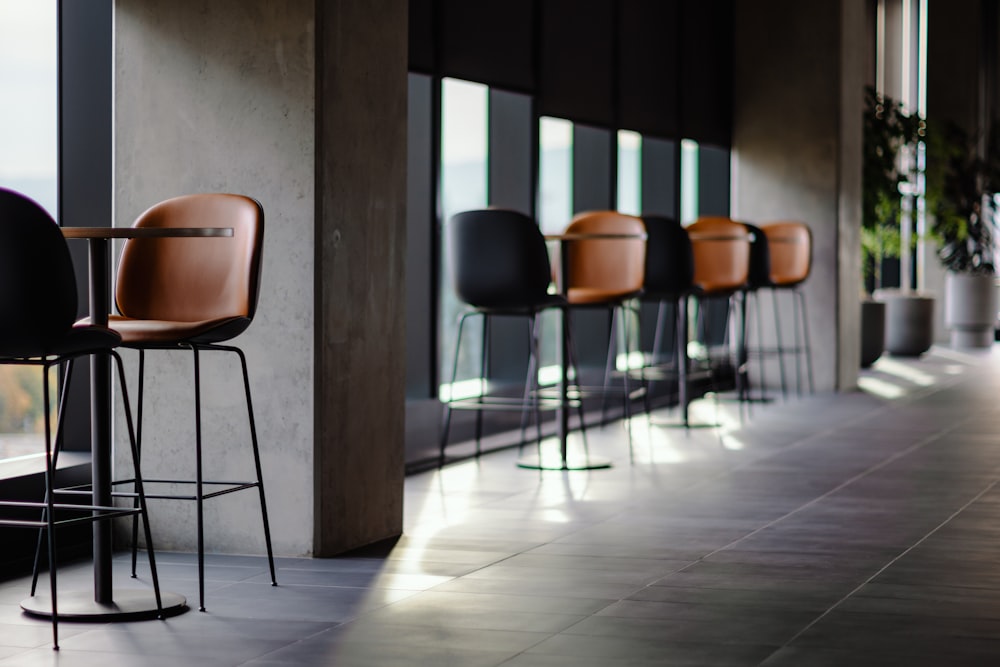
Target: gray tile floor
x,y
852,529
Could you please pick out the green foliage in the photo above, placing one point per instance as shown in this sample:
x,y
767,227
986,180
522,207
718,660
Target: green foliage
x,y
21,406
887,130
960,189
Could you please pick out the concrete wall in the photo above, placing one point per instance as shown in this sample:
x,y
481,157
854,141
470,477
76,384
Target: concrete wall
x,y
797,153
220,96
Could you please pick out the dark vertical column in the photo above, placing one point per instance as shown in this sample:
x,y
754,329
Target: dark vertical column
x,y
360,272
420,221
659,197
592,177
510,186
659,194
713,181
85,199
713,199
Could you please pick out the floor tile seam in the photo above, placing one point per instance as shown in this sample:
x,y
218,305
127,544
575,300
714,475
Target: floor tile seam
x,y
697,484
890,563
779,452
542,637
290,644
896,456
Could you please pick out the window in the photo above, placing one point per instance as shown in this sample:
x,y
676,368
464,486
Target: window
x,y
464,178
28,163
555,209
28,131
629,201
629,172
689,181
555,174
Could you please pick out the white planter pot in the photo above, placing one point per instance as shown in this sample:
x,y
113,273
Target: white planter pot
x,y
970,309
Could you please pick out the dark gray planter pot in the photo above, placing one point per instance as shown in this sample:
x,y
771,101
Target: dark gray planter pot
x,y
970,309
909,322
872,331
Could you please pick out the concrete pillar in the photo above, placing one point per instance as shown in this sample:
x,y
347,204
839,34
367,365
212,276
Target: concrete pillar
x,y
798,100
300,104
360,252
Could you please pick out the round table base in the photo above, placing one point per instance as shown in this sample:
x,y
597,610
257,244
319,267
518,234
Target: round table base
x,y
128,605
555,462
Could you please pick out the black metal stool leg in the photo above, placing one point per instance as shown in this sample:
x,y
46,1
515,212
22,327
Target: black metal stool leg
x,y
67,376
446,418
780,345
257,466
654,356
50,508
807,347
536,387
579,402
199,490
627,395
759,321
139,489
531,383
484,370
610,363
138,446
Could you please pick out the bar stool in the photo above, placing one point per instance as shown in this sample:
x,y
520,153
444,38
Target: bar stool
x,y
668,282
790,244
758,278
721,249
500,267
195,295
605,267
38,303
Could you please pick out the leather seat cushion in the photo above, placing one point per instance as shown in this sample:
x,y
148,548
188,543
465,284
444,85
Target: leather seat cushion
x,y
166,332
588,295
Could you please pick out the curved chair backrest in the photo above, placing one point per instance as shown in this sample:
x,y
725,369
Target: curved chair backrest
x,y
37,285
498,259
611,265
759,273
669,258
721,254
194,279
791,252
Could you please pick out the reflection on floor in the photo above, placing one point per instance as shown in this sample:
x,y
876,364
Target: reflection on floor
x,y
852,529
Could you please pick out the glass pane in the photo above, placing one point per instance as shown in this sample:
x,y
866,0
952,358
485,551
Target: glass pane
x,y
464,164
28,135
689,181
28,130
629,172
555,174
555,208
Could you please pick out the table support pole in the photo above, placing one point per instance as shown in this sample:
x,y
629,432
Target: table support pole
x,y
564,365
566,460
100,427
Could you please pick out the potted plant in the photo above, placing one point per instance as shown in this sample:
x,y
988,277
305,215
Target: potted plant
x,y
961,196
900,320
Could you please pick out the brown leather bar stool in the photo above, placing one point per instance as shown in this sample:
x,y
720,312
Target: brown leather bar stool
x,y
790,244
605,268
721,250
195,294
38,302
